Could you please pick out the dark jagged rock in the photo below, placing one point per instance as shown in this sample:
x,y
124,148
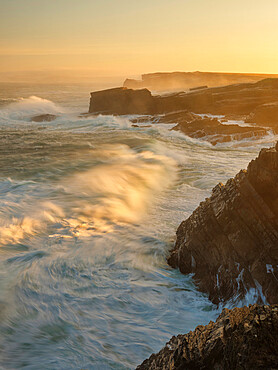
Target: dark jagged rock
x,y
122,101
44,118
266,114
217,132
230,242
242,338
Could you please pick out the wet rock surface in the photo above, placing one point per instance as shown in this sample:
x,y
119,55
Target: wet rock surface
x,y
230,242
208,128
44,118
216,132
250,102
242,338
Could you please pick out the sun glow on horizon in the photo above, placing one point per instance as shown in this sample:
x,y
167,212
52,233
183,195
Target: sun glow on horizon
x,y
108,38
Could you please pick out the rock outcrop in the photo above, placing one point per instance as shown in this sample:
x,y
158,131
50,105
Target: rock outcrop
x,y
211,129
266,114
230,242
122,101
241,99
242,338
44,118
217,132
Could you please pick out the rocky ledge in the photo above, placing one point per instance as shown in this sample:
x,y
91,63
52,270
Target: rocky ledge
x,y
210,129
242,338
216,132
230,242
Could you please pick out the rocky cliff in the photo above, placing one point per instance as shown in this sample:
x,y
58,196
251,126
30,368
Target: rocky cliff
x,y
242,338
241,99
230,242
122,101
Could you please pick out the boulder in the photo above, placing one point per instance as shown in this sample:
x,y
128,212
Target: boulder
x,y
242,338
44,118
230,242
122,101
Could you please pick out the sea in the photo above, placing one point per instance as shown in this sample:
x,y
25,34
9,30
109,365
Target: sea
x,y
89,208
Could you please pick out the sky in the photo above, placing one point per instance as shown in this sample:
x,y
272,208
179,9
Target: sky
x,y
104,38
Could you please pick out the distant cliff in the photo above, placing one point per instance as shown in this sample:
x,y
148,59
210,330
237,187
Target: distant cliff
x,y
230,242
163,81
242,338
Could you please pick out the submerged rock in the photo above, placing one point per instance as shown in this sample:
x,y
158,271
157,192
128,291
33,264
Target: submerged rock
x,y
44,118
230,242
242,338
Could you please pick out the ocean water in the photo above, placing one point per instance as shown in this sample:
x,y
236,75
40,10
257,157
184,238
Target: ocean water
x,y
89,207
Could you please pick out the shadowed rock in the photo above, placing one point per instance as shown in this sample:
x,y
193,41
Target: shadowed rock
x,y
242,338
122,101
241,99
216,132
44,118
230,242
266,114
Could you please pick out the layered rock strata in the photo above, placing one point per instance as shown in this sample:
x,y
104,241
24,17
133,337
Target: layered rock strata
x,y
230,242
242,338
241,99
216,132
210,129
122,101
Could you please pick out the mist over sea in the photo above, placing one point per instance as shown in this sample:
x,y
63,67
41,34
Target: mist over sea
x,y
89,207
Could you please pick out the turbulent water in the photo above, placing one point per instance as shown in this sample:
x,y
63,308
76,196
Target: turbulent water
x,y
88,210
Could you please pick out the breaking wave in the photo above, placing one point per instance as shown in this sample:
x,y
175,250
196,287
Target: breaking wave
x,y
89,206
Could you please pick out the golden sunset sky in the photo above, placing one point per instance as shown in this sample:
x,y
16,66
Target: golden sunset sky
x,y
130,37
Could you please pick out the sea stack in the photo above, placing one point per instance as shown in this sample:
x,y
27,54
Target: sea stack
x,y
230,242
121,100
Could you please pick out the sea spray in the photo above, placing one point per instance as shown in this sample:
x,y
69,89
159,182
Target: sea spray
x,y
89,208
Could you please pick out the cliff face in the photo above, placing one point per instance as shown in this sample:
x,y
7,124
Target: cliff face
x,y
122,101
240,99
230,242
242,338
